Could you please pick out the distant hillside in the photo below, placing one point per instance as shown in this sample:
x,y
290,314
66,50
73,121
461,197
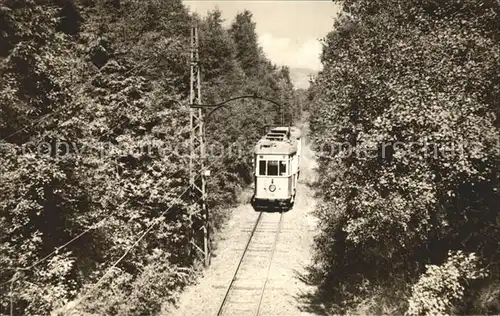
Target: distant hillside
x,y
300,77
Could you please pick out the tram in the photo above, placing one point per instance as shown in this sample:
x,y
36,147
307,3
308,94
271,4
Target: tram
x,y
276,169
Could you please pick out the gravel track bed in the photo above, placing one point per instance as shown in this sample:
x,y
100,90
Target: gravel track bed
x,y
293,253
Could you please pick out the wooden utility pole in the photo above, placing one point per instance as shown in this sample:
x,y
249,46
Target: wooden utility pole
x,y
197,145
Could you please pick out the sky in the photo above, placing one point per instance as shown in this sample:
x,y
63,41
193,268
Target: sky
x,y
289,30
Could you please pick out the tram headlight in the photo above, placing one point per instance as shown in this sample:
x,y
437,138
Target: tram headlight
x,y
272,188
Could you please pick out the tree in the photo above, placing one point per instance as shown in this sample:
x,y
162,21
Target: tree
x,y
407,91
247,48
94,126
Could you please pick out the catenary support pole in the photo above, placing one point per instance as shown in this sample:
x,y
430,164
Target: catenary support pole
x,y
197,143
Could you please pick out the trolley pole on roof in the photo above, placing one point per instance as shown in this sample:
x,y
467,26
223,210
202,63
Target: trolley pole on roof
x,y
197,146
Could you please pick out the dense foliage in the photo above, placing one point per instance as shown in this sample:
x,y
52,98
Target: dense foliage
x,y
94,128
405,115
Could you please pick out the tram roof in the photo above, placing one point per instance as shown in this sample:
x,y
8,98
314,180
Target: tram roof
x,y
294,131
277,142
275,147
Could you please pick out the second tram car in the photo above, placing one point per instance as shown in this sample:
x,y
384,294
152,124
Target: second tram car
x,y
276,168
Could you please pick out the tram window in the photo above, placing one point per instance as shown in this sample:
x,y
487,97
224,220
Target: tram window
x,y
262,167
283,168
272,168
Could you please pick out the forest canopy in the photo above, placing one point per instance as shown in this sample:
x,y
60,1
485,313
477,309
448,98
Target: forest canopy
x,y
94,98
405,116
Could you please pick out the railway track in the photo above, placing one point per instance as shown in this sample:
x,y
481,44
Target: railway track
x,y
245,292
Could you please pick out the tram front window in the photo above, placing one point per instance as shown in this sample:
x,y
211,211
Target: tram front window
x,y
272,168
262,167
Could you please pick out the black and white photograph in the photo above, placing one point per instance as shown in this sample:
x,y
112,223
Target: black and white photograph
x,y
249,157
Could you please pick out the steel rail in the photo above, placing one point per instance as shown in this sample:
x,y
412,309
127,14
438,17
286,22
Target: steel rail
x,y
221,308
275,241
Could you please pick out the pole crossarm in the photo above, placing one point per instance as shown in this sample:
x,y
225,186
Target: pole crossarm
x,y
222,104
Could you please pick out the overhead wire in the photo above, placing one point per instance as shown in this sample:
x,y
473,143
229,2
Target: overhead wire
x,y
150,227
